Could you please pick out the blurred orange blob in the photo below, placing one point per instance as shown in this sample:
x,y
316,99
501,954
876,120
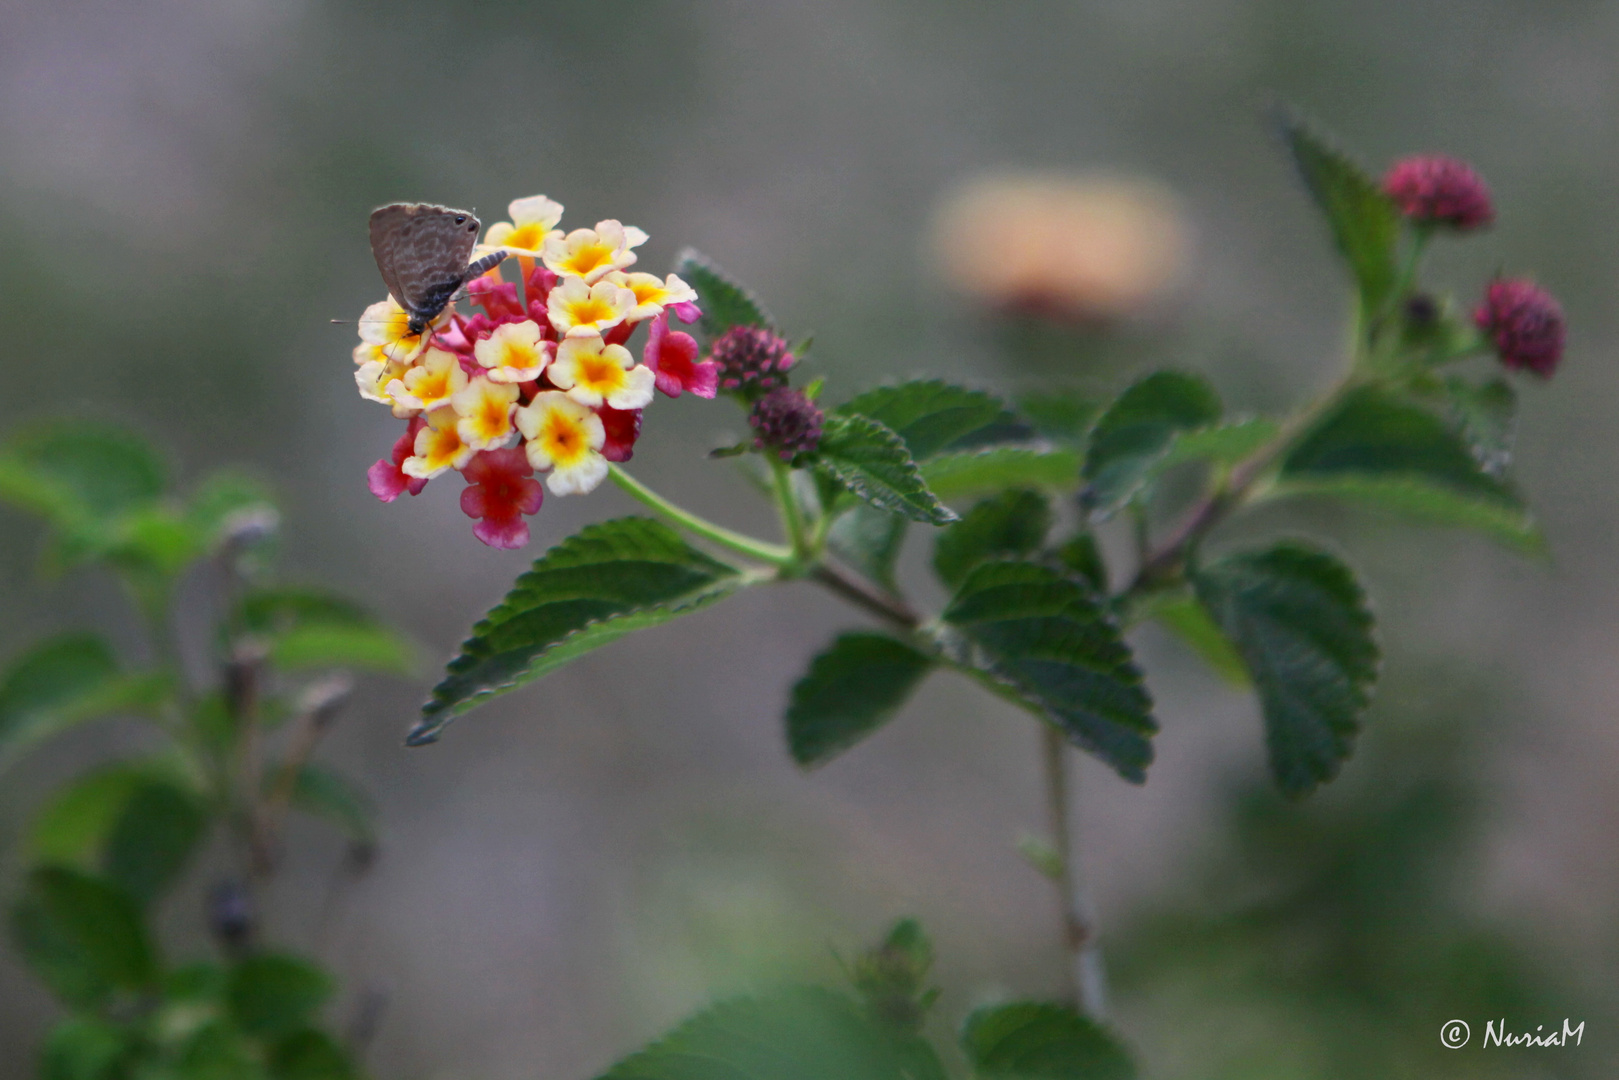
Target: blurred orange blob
x,y
1077,247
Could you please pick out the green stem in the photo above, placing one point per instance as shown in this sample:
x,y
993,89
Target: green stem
x,y
1087,988
774,554
792,518
1168,559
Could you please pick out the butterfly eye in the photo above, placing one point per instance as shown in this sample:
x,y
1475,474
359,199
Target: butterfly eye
x,y
460,219
472,228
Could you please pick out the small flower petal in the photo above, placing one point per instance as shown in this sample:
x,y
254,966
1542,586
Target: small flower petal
x,y
672,356
579,310
566,438
438,446
592,254
429,384
514,352
485,409
593,373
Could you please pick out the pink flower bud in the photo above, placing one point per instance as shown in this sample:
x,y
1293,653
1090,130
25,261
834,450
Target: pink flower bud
x,y
1524,323
787,422
1434,190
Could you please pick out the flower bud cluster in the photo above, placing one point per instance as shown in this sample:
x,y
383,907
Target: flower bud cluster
x,y
540,380
786,423
752,361
1523,322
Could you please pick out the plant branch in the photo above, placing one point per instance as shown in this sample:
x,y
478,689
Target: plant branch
x,y
1168,558
865,595
774,554
1086,986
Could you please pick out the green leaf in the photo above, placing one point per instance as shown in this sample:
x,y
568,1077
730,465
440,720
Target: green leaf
x,y
1137,430
1485,414
275,994
724,303
276,610
64,681
1082,557
72,828
1365,223
1182,615
603,582
82,936
869,540
85,1048
1042,635
328,794
153,838
928,414
216,1050
793,1034
1225,444
310,628
873,462
310,1055
1034,1040
1011,523
72,471
980,472
1046,860
1299,620
362,648
851,688
1061,415
1391,453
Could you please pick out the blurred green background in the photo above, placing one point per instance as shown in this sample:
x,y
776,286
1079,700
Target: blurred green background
x,y
183,188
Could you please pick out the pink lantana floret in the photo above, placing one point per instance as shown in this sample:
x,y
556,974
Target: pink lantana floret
x,y
672,356
500,489
623,427
386,479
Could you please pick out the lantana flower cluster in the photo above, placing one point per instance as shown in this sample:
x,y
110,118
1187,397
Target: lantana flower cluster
x,y
540,380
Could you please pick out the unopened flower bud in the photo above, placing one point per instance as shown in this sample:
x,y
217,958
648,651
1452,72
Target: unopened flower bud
x,y
1434,190
892,977
230,914
751,360
786,422
1524,323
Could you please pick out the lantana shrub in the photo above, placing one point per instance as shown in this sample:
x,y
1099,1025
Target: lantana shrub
x,y
1417,423
543,386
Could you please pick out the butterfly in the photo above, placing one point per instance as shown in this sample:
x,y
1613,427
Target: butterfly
x,y
422,252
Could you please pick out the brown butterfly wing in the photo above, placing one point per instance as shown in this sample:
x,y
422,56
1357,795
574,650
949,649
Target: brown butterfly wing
x,y
422,252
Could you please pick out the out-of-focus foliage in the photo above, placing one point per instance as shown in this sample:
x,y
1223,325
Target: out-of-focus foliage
x,y
1334,938
110,845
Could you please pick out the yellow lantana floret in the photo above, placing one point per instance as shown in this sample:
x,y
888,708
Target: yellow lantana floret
x,y
580,310
592,373
485,409
652,295
431,383
386,327
592,254
514,353
534,219
375,376
566,438
439,446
